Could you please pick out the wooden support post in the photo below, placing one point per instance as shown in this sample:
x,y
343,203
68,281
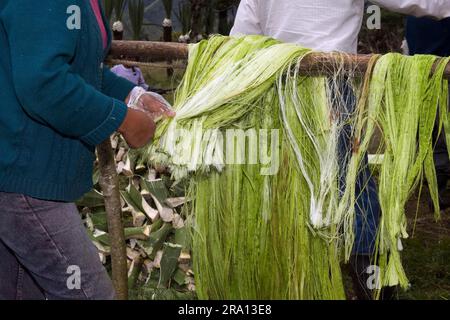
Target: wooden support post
x,y
109,182
167,37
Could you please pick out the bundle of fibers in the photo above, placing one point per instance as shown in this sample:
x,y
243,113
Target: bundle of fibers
x,y
270,219
403,101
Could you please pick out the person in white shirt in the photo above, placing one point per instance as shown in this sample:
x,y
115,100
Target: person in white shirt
x,y
334,25
323,25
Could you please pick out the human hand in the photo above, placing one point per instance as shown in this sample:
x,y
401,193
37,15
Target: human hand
x,y
151,103
137,129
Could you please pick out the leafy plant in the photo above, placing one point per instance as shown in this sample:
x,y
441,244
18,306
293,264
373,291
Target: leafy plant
x,y
136,13
109,8
210,16
119,7
168,5
151,6
184,15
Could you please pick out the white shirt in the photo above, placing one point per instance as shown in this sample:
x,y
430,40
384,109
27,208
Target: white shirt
x,y
323,25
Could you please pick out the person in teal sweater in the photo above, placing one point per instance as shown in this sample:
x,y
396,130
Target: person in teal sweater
x,y
57,102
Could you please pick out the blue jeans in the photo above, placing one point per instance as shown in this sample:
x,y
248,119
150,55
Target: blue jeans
x,y
367,204
45,252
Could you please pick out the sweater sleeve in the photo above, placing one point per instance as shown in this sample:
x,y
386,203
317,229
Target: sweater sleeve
x,y
42,47
439,9
115,86
247,20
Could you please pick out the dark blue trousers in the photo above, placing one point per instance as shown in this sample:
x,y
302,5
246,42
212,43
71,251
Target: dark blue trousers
x,y
367,204
45,252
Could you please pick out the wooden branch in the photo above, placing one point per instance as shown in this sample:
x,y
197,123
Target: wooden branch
x,y
141,64
313,64
109,182
154,51
167,37
319,64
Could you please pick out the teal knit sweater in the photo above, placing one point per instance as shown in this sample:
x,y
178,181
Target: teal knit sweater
x,y
57,100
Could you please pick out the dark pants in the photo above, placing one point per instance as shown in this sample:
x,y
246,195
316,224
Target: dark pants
x,y
45,252
367,206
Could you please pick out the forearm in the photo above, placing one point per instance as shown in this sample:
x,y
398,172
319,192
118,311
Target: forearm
x,y
439,9
115,86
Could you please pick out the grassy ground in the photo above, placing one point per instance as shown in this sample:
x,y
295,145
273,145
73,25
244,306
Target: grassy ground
x,y
427,253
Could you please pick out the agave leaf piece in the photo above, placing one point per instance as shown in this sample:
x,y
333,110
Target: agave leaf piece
x,y
134,199
157,259
114,142
133,243
127,168
185,257
138,218
155,239
140,233
134,271
92,199
101,247
95,176
120,166
98,220
175,202
151,176
183,266
166,214
181,237
148,264
132,254
102,257
151,213
157,188
89,223
179,277
169,262
120,154
178,222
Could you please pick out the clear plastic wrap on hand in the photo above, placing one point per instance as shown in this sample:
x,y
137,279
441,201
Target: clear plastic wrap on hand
x,y
137,101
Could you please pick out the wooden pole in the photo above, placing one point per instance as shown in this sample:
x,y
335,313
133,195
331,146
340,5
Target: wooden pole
x,y
109,182
154,51
313,64
167,37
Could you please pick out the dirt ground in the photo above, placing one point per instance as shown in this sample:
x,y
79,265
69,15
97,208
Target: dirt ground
x,y
426,255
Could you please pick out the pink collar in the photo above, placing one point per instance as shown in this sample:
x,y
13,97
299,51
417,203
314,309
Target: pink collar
x,y
98,14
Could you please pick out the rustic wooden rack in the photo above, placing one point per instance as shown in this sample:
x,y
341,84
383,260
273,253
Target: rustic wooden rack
x,y
314,63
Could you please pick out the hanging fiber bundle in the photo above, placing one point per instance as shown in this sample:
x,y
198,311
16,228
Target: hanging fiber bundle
x,y
260,142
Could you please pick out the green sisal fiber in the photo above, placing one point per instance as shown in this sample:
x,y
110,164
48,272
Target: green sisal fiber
x,y
284,234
